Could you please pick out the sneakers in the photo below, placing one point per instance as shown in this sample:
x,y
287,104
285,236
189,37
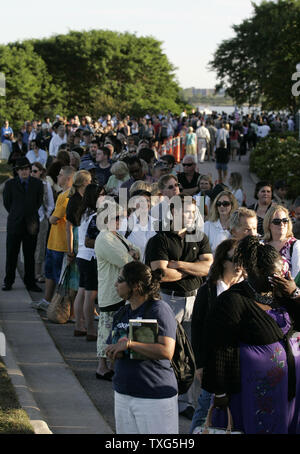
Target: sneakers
x,y
40,305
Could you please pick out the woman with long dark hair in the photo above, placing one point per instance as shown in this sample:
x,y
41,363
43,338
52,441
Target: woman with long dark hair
x,y
145,390
223,274
252,359
84,303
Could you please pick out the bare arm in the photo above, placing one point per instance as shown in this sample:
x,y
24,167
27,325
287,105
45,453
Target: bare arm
x,y
190,191
170,275
163,349
69,231
53,220
199,269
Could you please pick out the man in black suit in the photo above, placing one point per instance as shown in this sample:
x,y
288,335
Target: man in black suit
x,y
22,198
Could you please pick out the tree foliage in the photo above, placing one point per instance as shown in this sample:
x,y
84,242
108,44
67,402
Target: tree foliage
x,y
257,64
91,73
29,87
276,158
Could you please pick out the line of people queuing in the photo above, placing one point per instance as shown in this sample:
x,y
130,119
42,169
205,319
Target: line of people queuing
x,y
140,247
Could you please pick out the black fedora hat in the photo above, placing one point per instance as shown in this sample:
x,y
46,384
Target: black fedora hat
x,y
22,163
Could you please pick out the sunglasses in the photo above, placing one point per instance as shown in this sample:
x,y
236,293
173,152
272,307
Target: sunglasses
x,y
188,165
176,185
34,171
230,259
278,221
121,279
224,204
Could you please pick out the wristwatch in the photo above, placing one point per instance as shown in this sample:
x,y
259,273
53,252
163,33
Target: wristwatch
x,y
296,293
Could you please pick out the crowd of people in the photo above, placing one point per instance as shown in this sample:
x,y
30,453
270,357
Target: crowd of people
x,y
140,234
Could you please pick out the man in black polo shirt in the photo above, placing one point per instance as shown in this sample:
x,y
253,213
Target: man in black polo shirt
x,y
189,177
185,257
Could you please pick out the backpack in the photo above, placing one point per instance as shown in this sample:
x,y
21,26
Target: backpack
x,y
183,361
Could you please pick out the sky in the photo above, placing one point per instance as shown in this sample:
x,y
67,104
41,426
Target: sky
x,y
190,31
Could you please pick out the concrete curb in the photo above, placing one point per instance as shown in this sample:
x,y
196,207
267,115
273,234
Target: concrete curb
x,y
24,394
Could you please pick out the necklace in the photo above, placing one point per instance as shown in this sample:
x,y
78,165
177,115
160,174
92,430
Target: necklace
x,y
263,299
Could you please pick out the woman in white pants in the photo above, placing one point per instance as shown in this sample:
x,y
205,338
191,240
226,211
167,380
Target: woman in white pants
x,y
145,390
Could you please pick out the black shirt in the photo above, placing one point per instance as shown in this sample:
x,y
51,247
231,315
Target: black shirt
x,y
102,175
170,246
222,155
188,184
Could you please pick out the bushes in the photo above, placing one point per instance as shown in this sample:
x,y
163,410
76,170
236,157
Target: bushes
x,y
275,159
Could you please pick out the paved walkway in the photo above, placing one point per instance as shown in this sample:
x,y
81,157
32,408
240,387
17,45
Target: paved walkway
x,y
54,372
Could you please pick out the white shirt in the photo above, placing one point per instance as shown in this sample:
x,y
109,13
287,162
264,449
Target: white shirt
x,y
141,234
221,287
41,158
239,195
295,259
216,234
55,143
203,133
222,134
83,251
46,211
263,131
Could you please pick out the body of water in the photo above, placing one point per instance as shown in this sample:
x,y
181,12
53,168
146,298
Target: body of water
x,y
229,110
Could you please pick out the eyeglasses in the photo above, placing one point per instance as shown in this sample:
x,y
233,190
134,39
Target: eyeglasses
x,y
34,171
230,259
278,221
224,204
176,185
188,165
121,279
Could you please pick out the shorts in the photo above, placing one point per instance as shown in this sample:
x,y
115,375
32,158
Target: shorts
x,y
88,273
221,166
53,264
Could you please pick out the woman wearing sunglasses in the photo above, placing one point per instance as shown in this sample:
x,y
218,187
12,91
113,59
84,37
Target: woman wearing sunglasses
x,y
145,389
217,226
251,340
222,275
278,232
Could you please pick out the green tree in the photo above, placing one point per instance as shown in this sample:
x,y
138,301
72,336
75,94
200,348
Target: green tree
x,y
257,64
29,88
104,71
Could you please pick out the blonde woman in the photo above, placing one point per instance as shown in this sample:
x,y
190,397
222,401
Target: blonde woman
x,y
112,251
278,232
217,226
119,174
236,187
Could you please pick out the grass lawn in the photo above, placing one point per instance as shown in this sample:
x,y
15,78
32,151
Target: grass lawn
x,y
13,419
5,171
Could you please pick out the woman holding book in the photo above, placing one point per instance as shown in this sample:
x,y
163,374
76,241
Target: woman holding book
x,y
145,389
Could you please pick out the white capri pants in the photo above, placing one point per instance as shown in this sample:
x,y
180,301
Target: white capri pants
x,y
134,415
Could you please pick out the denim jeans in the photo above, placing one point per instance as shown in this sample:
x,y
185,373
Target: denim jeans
x,y
204,402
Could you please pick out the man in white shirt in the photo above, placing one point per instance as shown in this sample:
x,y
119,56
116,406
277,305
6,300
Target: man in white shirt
x,y
57,140
263,130
203,139
222,134
36,154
